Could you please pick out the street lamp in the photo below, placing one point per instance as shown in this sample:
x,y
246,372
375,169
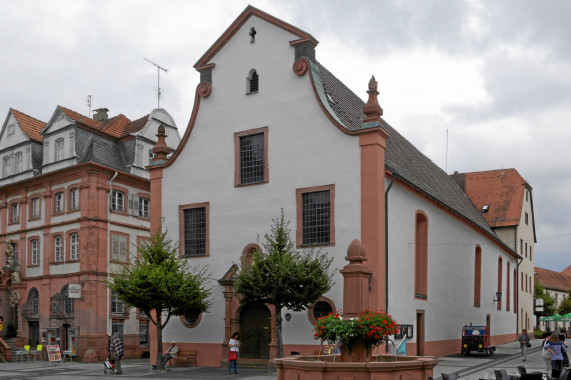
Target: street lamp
x,y
498,297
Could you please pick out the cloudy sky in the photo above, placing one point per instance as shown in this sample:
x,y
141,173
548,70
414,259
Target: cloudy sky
x,y
494,75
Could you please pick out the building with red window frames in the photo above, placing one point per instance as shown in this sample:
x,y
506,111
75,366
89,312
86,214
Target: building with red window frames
x,y
74,205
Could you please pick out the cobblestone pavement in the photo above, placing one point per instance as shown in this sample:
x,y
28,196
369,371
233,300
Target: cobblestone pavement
x,y
472,367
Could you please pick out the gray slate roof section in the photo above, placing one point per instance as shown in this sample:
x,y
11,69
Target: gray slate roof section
x,y
401,157
91,147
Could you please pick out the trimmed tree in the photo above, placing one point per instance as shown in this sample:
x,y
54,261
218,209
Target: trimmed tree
x,y
565,305
161,282
284,277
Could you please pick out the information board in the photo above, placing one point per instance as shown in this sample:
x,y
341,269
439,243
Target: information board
x,y
54,354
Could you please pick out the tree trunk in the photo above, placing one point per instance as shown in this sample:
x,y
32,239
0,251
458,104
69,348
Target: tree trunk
x,y
279,331
159,326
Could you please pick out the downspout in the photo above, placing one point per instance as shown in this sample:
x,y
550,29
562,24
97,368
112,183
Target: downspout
x,y
107,250
395,176
387,249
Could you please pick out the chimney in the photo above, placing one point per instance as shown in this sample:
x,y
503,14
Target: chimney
x,y
101,114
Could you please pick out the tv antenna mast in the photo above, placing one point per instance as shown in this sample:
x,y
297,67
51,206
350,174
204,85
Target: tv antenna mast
x,y
159,91
89,105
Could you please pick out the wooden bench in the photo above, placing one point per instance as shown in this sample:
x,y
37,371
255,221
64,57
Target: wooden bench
x,y
184,359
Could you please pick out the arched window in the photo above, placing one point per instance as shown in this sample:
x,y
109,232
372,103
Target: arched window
x,y
508,286
252,82
34,303
477,276
320,308
421,256
500,282
515,290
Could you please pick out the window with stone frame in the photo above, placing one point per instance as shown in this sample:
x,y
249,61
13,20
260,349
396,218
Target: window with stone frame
x,y
6,167
58,249
19,162
74,246
59,203
119,248
118,307
194,229
251,157
59,151
315,216
117,201
74,199
15,210
35,254
36,210
144,207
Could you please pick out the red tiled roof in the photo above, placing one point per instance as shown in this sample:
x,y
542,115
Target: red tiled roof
x,y
502,190
116,125
31,127
136,125
76,116
567,271
553,280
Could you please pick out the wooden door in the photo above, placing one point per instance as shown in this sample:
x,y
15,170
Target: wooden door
x,y
255,334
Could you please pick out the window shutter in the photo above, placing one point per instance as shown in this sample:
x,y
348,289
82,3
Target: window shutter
x,y
123,249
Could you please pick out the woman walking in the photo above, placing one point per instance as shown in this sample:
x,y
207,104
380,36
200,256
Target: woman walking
x,y
545,354
556,348
524,343
234,345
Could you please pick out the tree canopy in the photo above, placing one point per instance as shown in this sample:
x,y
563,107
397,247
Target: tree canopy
x,y
565,305
283,277
161,284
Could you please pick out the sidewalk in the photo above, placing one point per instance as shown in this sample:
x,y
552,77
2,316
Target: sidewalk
x,y
472,367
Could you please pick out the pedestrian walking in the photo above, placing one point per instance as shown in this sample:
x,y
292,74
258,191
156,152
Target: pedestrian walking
x,y
116,348
545,354
524,343
556,347
234,345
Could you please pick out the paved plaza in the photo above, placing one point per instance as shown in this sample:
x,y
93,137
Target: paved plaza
x,y
471,367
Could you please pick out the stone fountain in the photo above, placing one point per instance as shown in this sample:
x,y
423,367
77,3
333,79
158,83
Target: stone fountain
x,y
359,364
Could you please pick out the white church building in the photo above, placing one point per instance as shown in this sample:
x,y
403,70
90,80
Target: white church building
x,y
273,129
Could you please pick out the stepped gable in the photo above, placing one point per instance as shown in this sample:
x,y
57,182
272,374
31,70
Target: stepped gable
x,y
401,156
31,126
553,280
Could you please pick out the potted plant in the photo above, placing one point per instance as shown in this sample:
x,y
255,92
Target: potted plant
x,y
365,331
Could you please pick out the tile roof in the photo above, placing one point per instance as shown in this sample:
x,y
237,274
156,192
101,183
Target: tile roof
x,y
137,125
502,190
116,125
76,116
401,156
31,127
553,280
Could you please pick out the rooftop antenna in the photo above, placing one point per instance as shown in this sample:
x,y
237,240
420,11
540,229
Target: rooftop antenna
x,y
159,91
446,150
89,105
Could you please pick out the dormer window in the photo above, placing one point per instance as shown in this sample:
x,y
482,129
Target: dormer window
x,y
485,209
252,82
59,150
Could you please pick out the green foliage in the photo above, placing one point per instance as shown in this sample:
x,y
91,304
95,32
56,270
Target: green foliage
x,y
370,326
161,282
538,333
548,300
565,305
284,277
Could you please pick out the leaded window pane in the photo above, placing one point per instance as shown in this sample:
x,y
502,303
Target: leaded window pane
x,y
316,217
321,309
195,231
252,158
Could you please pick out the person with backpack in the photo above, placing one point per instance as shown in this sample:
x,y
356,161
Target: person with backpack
x,y
545,354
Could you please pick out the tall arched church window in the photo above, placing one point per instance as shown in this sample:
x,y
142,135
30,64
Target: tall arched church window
x,y
421,256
